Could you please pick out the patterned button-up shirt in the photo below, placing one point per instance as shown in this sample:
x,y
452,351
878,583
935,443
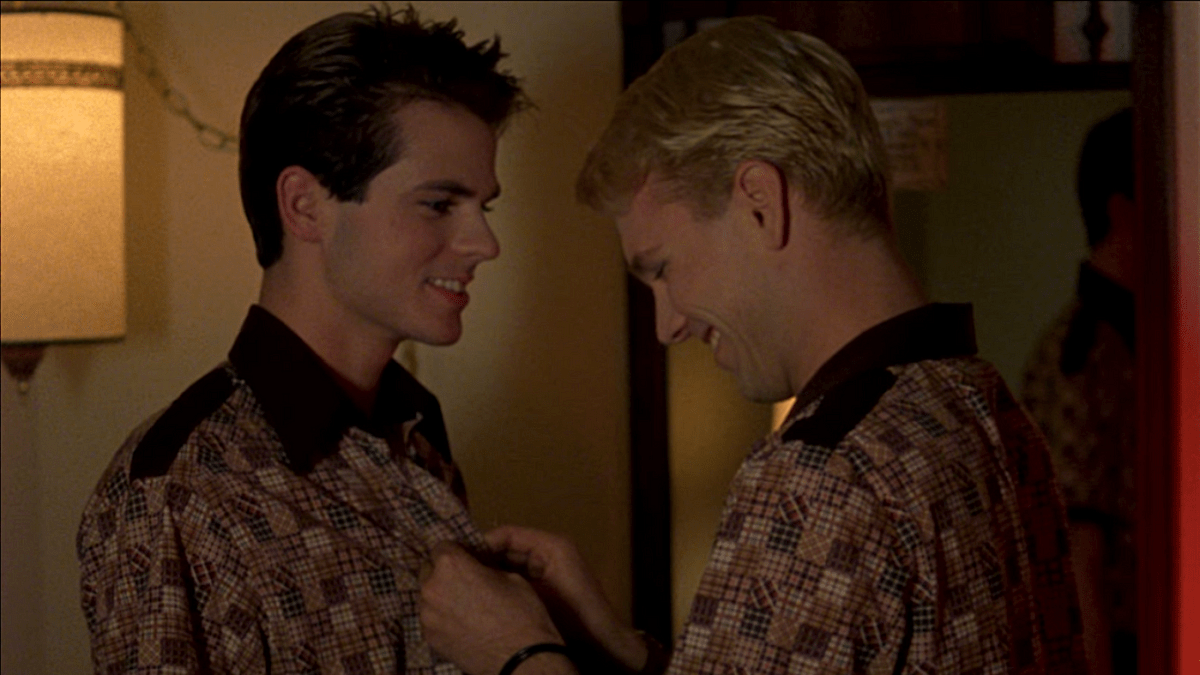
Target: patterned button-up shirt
x,y
263,524
1079,387
904,519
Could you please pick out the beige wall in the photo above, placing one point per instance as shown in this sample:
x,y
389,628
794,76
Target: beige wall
x,y
1006,234
536,389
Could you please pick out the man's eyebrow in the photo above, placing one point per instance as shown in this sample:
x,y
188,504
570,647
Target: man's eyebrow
x,y
455,188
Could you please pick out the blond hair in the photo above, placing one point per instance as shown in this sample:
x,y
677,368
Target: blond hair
x,y
745,90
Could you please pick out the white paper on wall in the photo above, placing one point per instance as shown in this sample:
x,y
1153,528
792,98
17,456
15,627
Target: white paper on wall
x,y
915,133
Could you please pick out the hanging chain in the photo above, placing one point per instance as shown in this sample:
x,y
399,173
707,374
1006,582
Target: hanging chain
x,y
208,135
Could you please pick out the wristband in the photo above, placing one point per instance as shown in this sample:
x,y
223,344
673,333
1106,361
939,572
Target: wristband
x,y
525,652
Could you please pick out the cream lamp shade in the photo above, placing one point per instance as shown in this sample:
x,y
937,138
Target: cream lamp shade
x,y
62,175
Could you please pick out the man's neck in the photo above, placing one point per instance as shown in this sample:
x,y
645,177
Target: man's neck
x,y
864,284
354,353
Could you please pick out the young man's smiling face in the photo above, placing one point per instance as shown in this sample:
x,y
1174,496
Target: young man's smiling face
x,y
398,263
704,283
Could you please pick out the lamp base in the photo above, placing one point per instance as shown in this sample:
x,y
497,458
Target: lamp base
x,y
21,360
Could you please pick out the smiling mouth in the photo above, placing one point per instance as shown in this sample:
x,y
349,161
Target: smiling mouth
x,y
454,290
713,339
452,285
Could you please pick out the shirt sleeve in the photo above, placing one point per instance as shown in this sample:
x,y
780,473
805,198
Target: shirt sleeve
x,y
163,587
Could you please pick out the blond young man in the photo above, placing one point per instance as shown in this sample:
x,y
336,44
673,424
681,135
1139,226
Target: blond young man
x,y
904,517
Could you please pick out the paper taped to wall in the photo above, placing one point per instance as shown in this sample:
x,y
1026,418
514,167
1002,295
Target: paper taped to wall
x,y
915,133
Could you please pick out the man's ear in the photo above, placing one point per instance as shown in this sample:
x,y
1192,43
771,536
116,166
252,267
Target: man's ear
x,y
760,189
302,202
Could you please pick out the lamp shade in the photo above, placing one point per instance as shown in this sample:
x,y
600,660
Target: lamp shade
x,y
62,178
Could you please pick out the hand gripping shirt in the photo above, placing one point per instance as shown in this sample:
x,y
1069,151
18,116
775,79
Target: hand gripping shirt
x,y
262,524
903,519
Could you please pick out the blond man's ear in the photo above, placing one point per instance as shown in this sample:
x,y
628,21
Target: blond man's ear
x,y
761,189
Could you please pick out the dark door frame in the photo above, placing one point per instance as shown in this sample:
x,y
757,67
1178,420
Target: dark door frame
x,y
1153,104
650,479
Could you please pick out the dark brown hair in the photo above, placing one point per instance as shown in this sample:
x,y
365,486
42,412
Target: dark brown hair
x,y
326,100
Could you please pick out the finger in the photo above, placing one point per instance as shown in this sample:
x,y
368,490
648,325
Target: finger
x,y
449,560
526,546
509,543
444,548
500,538
514,559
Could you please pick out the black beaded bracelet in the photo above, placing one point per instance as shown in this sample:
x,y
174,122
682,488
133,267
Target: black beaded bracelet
x,y
524,653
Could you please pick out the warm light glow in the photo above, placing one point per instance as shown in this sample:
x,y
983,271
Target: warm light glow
x,y
779,412
62,217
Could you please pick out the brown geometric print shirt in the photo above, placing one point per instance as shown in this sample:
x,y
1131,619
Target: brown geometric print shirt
x,y
262,524
904,519
1079,388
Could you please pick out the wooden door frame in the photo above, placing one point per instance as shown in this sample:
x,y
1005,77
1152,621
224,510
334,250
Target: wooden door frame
x,y
650,479
1152,83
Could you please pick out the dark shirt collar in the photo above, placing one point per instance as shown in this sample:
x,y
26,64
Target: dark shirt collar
x,y
306,406
934,331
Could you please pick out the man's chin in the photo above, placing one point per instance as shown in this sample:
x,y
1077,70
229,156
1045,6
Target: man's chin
x,y
438,338
440,341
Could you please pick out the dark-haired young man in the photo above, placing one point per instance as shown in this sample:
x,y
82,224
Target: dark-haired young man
x,y
1079,387
274,518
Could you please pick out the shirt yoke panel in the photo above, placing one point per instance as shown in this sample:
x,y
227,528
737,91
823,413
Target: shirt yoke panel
x,y
157,449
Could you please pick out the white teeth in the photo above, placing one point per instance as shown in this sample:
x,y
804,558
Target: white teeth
x,y
714,340
451,285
